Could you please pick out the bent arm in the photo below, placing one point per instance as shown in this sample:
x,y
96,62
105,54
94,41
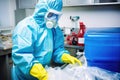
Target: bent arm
x,y
58,45
22,50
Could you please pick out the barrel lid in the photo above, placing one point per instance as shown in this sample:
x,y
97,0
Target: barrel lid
x,y
108,32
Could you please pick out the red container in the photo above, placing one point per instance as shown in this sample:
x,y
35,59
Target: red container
x,y
72,39
80,34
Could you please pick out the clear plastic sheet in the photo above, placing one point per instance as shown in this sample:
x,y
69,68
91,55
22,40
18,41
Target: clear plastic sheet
x,y
57,74
73,72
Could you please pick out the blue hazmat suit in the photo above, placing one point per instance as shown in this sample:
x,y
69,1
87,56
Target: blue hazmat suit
x,y
33,42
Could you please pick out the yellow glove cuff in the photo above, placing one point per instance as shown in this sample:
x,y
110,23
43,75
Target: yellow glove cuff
x,y
39,72
67,58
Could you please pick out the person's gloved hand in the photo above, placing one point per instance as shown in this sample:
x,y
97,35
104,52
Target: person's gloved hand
x,y
39,72
67,58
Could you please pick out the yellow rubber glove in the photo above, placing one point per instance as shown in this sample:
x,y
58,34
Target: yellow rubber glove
x,y
39,72
67,58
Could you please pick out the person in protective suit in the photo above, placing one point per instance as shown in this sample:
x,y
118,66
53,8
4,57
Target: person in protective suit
x,y
38,39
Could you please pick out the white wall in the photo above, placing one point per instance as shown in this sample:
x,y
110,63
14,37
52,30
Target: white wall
x,y
92,16
7,8
4,6
12,8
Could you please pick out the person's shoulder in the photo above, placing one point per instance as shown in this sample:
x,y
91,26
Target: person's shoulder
x,y
24,21
58,28
25,24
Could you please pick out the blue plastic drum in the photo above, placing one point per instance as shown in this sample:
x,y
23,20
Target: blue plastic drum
x,y
102,48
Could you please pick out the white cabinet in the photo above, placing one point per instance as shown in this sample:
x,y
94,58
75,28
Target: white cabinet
x,y
89,2
106,1
26,3
76,2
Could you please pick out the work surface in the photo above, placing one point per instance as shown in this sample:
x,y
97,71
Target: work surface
x,y
5,57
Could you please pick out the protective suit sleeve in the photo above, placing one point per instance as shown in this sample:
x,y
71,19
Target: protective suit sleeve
x,y
58,40
39,72
22,50
67,58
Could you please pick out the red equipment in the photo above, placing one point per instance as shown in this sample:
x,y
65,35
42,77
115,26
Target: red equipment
x,y
72,39
80,34
77,38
